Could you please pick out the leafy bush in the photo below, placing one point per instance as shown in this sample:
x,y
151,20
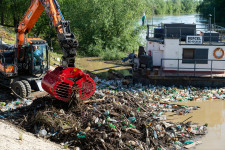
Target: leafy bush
x,y
113,54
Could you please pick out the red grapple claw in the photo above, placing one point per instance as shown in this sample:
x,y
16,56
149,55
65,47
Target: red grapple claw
x,y
60,83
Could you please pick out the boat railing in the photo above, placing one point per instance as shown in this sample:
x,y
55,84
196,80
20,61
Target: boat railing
x,y
189,67
211,37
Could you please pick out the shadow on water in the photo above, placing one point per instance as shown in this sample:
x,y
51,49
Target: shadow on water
x,y
108,74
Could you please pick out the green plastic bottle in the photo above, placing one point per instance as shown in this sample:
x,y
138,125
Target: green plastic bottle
x,y
132,126
111,125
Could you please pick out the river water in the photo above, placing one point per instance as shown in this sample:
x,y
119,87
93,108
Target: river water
x,y
189,19
200,22
213,113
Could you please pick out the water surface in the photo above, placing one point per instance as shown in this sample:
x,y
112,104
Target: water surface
x,y
213,113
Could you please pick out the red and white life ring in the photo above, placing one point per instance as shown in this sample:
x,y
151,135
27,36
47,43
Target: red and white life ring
x,y
216,52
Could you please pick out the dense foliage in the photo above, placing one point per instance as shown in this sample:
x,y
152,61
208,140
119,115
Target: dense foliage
x,y
160,7
103,27
207,7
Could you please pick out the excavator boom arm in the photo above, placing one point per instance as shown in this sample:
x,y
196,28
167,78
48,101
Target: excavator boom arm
x,y
67,39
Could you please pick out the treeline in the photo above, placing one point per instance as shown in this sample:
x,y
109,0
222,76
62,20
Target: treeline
x,y
161,7
207,7
103,27
11,11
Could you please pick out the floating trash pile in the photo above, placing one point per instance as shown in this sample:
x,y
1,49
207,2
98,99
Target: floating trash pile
x,y
158,93
120,115
120,120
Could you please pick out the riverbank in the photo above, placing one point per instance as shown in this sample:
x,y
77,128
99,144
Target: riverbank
x,y
13,138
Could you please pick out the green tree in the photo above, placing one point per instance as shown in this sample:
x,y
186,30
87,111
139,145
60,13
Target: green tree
x,y
104,25
12,11
176,6
207,7
160,7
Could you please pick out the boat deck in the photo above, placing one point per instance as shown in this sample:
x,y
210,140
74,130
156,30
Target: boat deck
x,y
184,79
186,74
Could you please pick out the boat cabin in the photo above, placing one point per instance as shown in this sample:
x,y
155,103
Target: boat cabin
x,y
186,50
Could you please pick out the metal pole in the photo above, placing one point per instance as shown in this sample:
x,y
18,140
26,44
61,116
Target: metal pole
x,y
194,67
165,32
210,26
221,39
180,36
178,73
211,67
161,67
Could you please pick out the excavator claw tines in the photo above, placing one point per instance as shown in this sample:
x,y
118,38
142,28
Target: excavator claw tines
x,y
85,89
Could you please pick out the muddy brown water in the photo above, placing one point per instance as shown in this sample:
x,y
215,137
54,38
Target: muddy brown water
x,y
211,112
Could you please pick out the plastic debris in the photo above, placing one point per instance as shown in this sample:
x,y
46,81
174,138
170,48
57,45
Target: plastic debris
x,y
42,133
118,116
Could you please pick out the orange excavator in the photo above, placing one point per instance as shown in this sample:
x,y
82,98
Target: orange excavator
x,y
25,66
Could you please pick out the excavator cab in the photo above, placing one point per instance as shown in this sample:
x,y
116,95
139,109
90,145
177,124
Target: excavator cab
x,y
40,58
36,57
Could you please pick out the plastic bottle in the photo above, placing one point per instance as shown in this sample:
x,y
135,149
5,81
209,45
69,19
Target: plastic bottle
x,y
178,143
112,120
111,125
81,134
155,134
42,133
131,119
160,113
188,142
3,103
132,126
138,109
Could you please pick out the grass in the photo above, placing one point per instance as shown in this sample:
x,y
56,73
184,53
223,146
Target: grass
x,y
53,58
113,55
7,35
55,55
106,74
66,146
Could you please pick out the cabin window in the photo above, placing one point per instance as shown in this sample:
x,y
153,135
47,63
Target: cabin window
x,y
191,55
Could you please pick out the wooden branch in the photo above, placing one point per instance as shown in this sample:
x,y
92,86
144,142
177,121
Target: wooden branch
x,y
136,102
94,101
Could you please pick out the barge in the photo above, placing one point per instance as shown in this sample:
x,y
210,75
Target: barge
x,y
184,53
